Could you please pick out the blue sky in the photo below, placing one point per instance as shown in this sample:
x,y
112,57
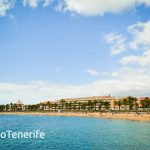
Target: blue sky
x,y
73,48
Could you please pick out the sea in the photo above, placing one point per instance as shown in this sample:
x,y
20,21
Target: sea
x,y
74,133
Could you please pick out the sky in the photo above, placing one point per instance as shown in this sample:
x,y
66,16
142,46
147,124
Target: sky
x,y
52,49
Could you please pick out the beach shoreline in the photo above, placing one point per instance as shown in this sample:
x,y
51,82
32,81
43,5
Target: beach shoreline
x,y
127,116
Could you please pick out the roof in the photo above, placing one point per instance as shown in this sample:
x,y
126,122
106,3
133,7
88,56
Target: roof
x,y
83,99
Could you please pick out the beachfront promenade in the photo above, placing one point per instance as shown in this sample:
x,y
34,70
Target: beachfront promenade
x,y
131,108
89,104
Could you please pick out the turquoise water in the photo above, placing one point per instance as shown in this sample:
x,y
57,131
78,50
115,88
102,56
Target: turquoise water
x,y
72,133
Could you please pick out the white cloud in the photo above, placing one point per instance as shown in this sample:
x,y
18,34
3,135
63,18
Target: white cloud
x,y
92,72
47,3
125,81
35,3
140,40
36,91
117,42
131,59
146,2
128,81
100,7
31,3
81,7
5,5
141,34
142,60
133,79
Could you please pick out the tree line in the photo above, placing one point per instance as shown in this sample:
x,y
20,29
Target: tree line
x,y
129,103
77,105
132,102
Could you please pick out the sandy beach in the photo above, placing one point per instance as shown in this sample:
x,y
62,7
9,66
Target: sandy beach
x,y
129,116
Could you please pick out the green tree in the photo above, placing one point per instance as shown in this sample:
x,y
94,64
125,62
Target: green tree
x,y
74,105
70,105
147,102
79,106
7,107
49,104
118,103
100,104
2,108
106,105
55,106
131,102
143,104
95,104
90,105
125,103
83,106
15,107
62,102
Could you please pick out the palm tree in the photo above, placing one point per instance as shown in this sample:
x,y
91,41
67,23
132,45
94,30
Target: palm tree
x,y
44,106
89,104
118,103
83,106
74,105
41,105
62,102
2,107
6,107
55,106
131,101
143,104
95,104
66,106
11,106
136,105
147,102
49,104
79,105
125,103
100,104
106,105
15,107
35,107
70,105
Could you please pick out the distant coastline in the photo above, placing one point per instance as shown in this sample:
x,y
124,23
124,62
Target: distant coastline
x,y
131,108
107,115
